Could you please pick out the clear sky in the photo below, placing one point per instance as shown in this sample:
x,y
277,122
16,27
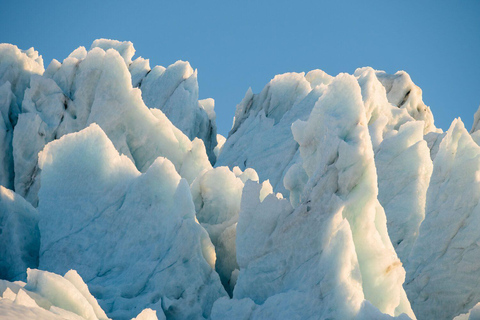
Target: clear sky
x,y
240,44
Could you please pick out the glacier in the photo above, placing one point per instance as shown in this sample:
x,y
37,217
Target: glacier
x,y
332,197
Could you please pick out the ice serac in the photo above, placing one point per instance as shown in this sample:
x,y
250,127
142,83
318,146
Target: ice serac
x,y
49,296
404,94
16,68
125,48
217,194
9,114
442,278
404,169
132,236
19,236
95,87
266,118
330,257
174,90
402,160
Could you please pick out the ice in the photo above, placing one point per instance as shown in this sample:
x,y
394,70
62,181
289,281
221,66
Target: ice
x,y
217,194
174,90
433,140
139,69
9,310
102,93
149,314
125,48
19,236
335,141
473,314
348,181
323,258
220,142
49,296
442,279
132,236
266,118
404,94
63,294
9,114
16,68
404,169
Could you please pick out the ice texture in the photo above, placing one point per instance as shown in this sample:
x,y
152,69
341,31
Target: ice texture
x,y
16,68
217,194
443,281
19,236
95,87
49,296
326,256
348,186
132,236
266,118
174,90
404,169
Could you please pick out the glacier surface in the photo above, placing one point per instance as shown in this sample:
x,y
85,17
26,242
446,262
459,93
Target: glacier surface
x,y
332,197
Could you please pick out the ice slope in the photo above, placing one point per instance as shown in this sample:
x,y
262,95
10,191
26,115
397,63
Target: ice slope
x,y
19,236
16,67
174,90
443,269
132,236
95,87
326,256
50,296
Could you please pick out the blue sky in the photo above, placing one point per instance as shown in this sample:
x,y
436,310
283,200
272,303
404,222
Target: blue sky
x,y
240,44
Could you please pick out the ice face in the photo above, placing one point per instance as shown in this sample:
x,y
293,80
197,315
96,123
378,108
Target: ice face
x,y
174,90
404,94
19,236
102,93
133,237
266,118
334,241
442,281
49,296
127,195
217,194
16,68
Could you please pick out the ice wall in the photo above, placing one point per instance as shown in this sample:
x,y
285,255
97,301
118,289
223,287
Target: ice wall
x,y
133,237
343,198
95,87
326,256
